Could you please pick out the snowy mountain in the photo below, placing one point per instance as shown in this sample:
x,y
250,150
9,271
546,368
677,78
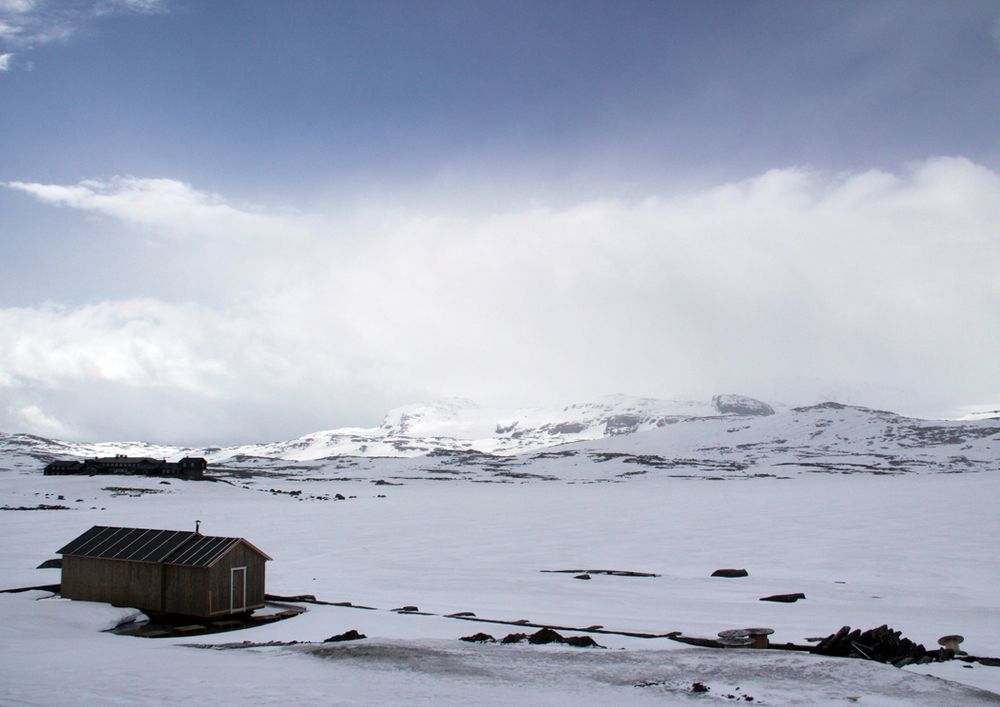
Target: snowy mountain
x,y
614,438
453,424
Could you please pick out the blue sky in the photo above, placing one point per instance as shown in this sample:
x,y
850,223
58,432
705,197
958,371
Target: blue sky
x,y
243,95
182,173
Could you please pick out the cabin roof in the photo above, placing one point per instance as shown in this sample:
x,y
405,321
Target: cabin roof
x,y
170,547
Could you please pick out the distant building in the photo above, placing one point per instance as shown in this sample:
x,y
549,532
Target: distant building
x,y
186,468
166,571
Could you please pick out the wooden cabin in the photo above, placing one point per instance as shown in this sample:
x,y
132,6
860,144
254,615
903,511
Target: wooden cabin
x,y
167,571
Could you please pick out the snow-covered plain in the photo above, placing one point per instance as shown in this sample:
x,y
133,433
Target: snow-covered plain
x,y
911,548
916,552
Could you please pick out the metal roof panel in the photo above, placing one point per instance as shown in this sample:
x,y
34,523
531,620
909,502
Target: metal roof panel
x,y
172,547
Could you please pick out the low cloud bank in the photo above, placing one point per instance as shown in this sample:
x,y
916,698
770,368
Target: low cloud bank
x,y
795,285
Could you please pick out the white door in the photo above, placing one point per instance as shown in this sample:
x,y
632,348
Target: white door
x,y
238,594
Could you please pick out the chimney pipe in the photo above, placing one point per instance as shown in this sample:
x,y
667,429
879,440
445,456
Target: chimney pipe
x,y
197,527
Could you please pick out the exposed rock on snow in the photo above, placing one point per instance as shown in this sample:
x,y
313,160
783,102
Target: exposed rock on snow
x,y
478,638
514,638
740,405
731,573
622,424
784,598
351,635
543,636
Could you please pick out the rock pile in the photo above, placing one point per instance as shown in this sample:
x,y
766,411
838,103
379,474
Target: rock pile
x,y
882,644
540,637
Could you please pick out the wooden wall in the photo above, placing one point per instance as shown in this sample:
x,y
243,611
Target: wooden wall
x,y
138,584
220,582
194,591
186,590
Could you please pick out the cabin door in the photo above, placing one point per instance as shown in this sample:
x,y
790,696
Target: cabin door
x,y
238,595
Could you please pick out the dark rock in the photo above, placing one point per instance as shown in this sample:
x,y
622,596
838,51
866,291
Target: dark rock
x,y
581,642
545,635
461,614
740,405
351,635
785,598
568,428
730,573
479,638
339,497
621,424
408,607
582,576
700,687
514,638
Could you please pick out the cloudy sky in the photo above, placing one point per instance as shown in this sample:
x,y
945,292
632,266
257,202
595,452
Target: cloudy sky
x,y
244,221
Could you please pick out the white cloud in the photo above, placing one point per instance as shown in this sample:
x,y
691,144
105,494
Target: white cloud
x,y
884,288
25,24
146,7
34,418
17,7
165,206
143,344
5,61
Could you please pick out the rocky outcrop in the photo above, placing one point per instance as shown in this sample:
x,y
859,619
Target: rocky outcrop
x,y
740,405
621,424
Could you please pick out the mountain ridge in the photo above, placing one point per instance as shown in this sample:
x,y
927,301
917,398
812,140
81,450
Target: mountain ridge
x,y
615,437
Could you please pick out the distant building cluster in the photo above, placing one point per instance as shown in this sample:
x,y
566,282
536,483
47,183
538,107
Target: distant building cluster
x,y
186,468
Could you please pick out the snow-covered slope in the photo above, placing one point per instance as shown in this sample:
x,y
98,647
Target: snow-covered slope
x,y
458,424
449,424
612,439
